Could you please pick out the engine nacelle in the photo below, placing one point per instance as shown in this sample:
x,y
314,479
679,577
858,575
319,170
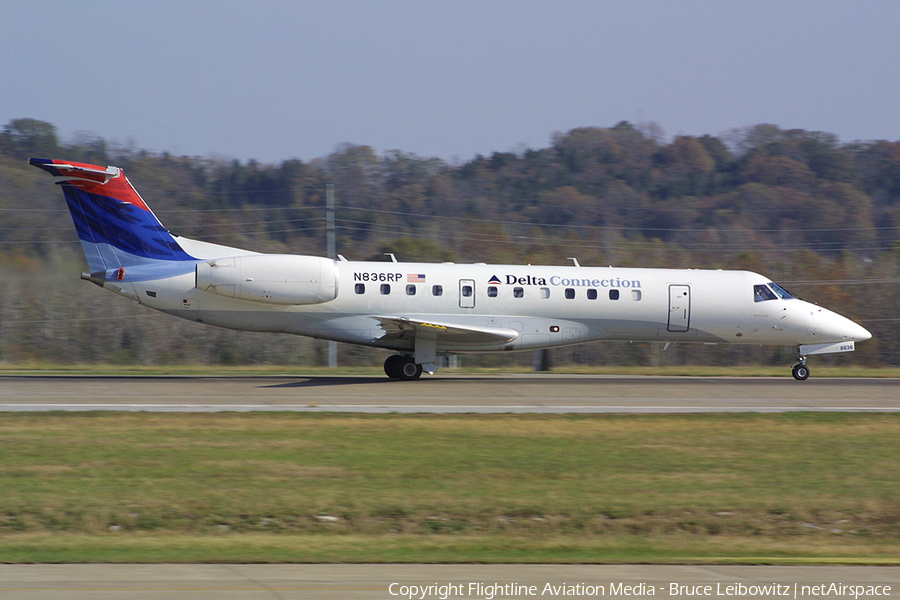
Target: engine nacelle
x,y
270,278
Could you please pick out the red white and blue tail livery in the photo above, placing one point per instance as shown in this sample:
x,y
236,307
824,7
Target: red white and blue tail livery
x,y
115,225
425,312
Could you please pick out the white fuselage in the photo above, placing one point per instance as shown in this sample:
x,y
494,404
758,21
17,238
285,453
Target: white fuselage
x,y
511,307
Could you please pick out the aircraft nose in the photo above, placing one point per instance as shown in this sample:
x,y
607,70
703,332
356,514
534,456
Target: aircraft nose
x,y
840,328
829,326
859,333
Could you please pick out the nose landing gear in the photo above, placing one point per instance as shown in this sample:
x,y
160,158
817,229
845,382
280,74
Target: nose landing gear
x,y
800,371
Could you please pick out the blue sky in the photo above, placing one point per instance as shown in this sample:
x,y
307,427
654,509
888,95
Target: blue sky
x,y
277,79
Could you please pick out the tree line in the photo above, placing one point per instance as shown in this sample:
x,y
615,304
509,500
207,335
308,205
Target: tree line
x,y
816,214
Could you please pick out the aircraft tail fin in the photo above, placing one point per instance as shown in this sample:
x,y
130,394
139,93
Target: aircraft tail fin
x,y
115,225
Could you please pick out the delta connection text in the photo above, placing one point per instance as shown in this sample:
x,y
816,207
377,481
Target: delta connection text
x,y
490,591
554,280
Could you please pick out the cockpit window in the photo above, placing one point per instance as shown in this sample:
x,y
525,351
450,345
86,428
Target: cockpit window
x,y
780,291
761,293
773,291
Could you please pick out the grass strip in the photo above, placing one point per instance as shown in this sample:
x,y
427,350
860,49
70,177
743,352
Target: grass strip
x,y
795,488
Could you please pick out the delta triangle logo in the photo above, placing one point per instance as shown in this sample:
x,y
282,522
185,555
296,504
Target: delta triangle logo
x,y
494,280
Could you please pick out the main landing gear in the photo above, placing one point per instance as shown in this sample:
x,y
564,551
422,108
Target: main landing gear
x,y
402,367
800,371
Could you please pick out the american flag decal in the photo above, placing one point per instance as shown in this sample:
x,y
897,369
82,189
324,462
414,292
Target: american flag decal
x,y
415,278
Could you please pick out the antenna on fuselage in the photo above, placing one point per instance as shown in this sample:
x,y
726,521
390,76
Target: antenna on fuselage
x,y
574,260
391,254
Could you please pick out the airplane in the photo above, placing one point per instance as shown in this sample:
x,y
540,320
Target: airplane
x,y
426,312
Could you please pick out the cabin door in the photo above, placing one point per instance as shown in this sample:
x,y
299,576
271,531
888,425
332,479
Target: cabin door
x,y
679,308
467,293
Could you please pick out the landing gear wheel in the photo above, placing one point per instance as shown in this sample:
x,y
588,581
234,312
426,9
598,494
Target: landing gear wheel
x,y
402,367
392,366
409,370
800,372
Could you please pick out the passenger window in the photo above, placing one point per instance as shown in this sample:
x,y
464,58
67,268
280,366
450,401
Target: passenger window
x,y
437,290
636,295
570,293
592,294
385,289
360,288
492,291
613,294
545,293
467,291
518,292
761,293
410,290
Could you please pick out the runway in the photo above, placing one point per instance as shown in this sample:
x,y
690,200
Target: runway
x,y
530,393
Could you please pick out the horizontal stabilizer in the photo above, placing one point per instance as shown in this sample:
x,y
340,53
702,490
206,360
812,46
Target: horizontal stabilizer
x,y
73,171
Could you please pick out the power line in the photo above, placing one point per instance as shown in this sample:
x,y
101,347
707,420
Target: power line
x,y
844,282
609,227
475,236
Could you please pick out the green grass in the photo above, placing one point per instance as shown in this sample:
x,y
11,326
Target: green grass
x,y
293,487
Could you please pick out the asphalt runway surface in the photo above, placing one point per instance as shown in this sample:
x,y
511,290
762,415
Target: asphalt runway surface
x,y
537,393
315,582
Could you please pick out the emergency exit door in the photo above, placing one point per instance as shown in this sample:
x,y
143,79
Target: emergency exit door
x,y
679,308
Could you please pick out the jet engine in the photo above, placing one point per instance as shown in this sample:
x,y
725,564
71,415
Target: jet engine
x,y
270,278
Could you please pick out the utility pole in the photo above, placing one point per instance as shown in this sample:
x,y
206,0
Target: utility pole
x,y
332,254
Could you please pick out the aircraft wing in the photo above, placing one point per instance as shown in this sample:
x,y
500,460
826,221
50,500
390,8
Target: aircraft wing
x,y
450,333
